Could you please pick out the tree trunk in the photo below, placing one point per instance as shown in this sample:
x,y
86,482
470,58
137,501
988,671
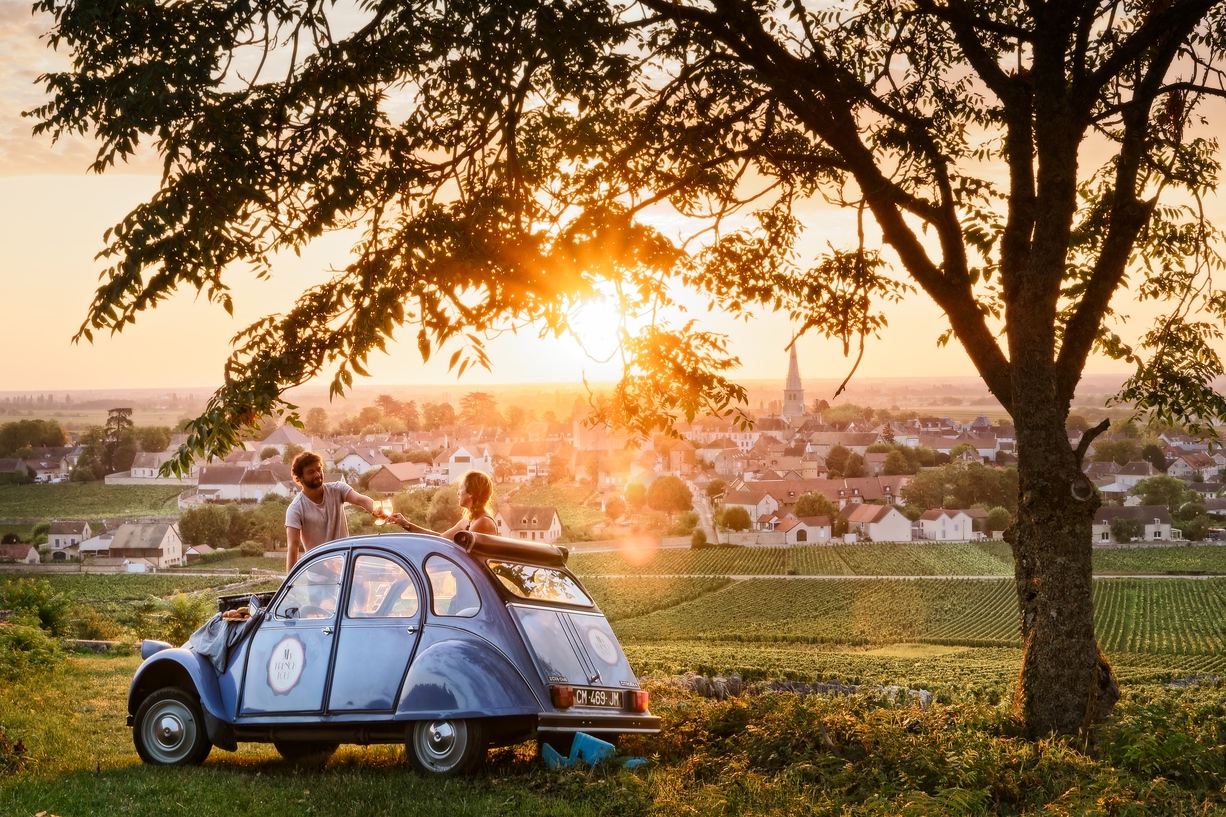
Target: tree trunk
x,y
1066,684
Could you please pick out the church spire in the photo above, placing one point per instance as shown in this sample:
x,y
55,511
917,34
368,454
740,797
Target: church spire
x,y
793,392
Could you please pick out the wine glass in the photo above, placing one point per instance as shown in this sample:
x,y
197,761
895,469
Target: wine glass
x,y
383,509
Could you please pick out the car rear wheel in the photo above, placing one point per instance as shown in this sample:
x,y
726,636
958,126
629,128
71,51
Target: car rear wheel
x,y
168,729
446,747
319,750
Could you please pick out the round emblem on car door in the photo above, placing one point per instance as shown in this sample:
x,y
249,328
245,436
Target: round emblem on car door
x,y
285,665
602,646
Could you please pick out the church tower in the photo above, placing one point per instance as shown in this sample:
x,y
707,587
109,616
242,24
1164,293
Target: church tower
x,y
793,392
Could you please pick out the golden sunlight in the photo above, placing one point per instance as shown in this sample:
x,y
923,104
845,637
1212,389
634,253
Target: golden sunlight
x,y
597,324
638,550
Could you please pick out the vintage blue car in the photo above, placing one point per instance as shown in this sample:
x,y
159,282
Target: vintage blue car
x,y
448,647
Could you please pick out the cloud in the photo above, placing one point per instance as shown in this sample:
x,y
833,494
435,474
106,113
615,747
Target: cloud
x,y
26,57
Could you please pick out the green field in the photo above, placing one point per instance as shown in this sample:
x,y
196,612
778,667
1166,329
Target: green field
x,y
126,587
874,559
87,500
1209,559
1174,617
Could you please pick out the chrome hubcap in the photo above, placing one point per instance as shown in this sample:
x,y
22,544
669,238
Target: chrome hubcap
x,y
441,738
169,731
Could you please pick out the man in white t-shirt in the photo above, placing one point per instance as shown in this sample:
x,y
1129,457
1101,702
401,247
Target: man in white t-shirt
x,y
317,515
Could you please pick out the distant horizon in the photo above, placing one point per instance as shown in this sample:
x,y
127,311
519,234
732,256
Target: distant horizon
x,y
312,389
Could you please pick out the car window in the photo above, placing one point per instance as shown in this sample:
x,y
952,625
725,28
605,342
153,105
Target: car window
x,y
539,583
315,590
381,589
452,591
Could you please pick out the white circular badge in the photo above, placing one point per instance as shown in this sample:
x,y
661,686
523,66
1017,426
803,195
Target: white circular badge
x,y
285,665
602,646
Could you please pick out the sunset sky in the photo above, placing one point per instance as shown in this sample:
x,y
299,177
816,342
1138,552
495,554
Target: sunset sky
x,y
53,213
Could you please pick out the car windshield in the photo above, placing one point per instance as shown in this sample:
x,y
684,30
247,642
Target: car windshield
x,y
539,583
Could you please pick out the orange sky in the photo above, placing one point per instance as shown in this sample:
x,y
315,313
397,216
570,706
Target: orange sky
x,y
53,214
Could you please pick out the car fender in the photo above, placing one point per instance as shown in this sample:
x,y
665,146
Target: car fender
x,y
459,675
186,670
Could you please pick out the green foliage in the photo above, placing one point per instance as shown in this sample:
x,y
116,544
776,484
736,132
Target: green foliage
x,y
998,519
25,648
636,495
1126,530
1121,451
37,601
205,525
251,548
21,434
182,614
734,518
963,485
698,539
814,504
444,509
715,489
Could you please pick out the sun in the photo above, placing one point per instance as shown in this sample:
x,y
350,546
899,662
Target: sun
x,y
597,324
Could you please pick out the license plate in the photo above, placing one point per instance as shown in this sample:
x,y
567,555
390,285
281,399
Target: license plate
x,y
609,698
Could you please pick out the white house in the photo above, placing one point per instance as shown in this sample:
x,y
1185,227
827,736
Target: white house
x,y
805,530
361,460
451,464
940,525
879,523
1193,464
536,523
758,504
1155,518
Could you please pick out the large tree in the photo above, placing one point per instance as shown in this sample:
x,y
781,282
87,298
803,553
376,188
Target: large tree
x,y
501,162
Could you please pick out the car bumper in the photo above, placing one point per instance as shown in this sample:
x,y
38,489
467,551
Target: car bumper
x,y
598,722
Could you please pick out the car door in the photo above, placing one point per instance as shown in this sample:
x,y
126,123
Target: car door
x,y
290,653
377,635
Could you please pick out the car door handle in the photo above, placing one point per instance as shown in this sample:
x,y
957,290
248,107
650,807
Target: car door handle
x,y
327,631
412,628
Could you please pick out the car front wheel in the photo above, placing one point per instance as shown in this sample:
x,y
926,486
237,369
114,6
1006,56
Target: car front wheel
x,y
169,729
446,747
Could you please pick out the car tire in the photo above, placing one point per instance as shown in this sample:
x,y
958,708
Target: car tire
x,y
169,730
442,748
315,750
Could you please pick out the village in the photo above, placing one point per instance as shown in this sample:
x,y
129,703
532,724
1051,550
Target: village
x,y
806,474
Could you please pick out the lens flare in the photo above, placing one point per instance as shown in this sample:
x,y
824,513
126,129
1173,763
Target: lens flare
x,y
638,550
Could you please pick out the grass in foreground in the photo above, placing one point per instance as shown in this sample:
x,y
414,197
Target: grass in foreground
x,y
777,754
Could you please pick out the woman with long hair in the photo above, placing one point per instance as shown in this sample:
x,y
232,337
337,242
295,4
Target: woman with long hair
x,y
474,490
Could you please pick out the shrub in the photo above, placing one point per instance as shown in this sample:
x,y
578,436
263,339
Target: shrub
x,y
89,624
698,539
32,599
182,614
23,648
251,548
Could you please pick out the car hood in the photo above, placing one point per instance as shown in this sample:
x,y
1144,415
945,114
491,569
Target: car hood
x,y
572,647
